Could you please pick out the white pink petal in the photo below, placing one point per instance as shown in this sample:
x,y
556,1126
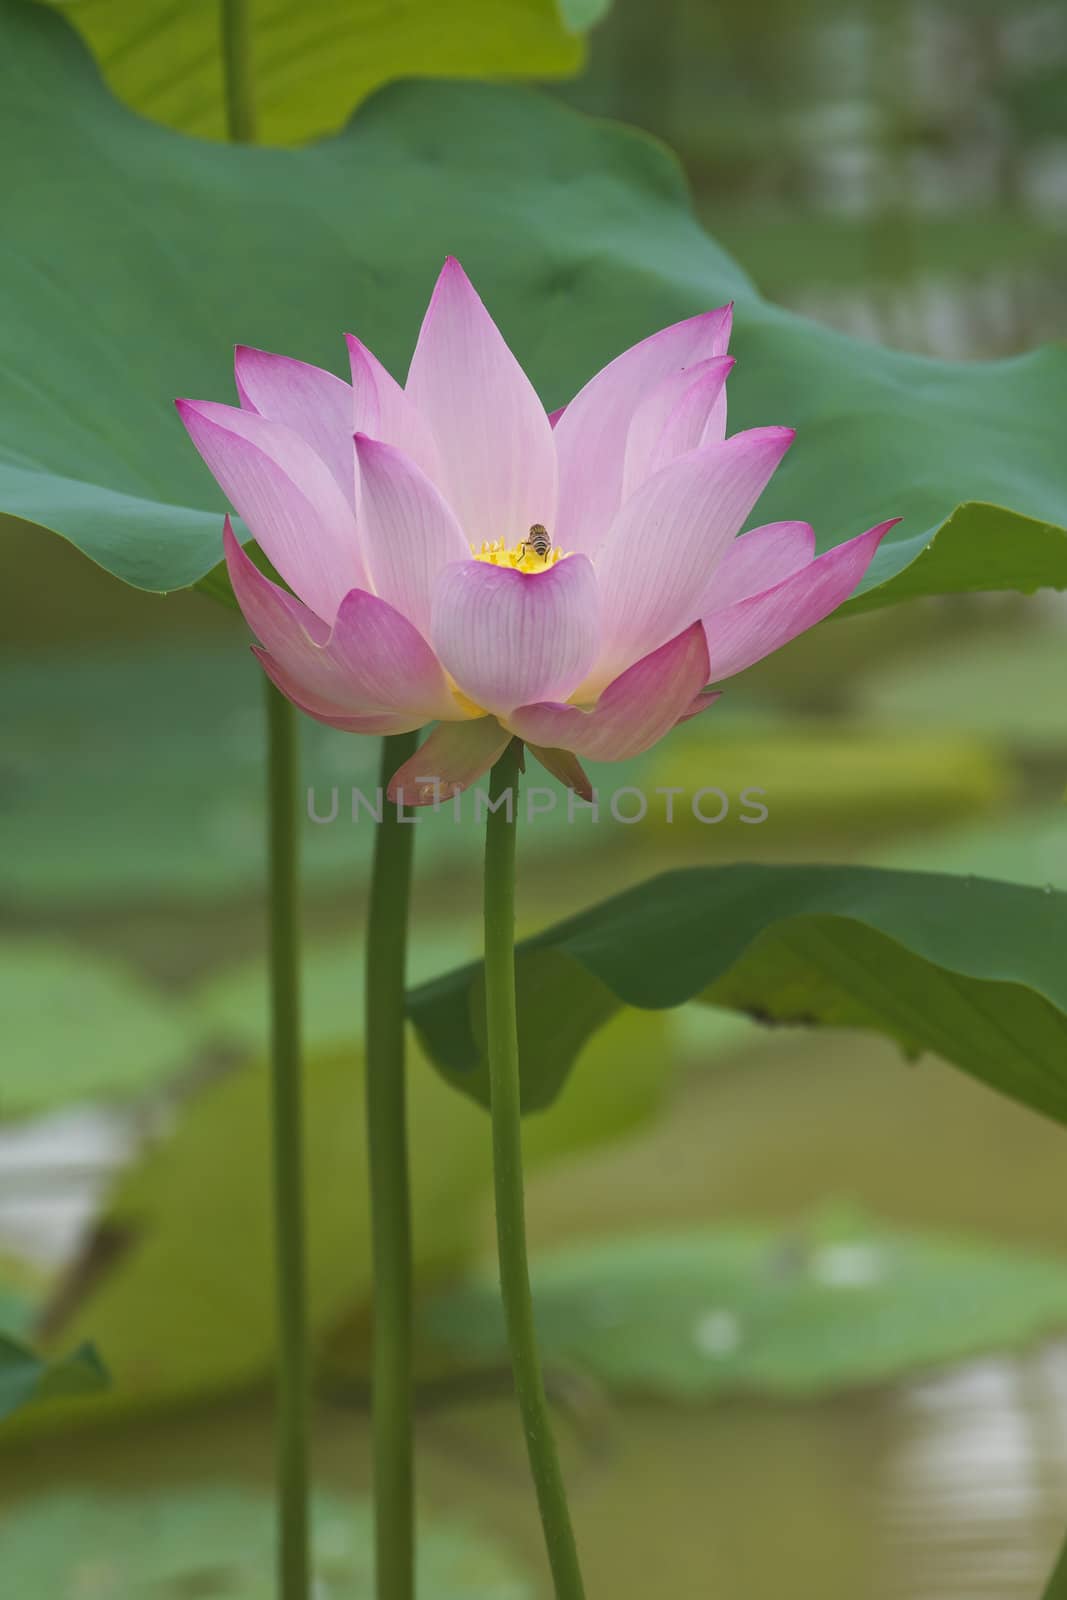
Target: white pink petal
x,y
451,759
684,411
314,403
497,460
383,411
758,560
287,497
634,711
508,636
743,633
409,533
372,662
591,432
668,539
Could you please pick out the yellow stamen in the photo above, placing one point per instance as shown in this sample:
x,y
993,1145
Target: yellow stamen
x,y
521,556
470,707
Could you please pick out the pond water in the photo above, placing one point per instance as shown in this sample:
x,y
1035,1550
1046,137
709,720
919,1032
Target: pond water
x,y
950,1486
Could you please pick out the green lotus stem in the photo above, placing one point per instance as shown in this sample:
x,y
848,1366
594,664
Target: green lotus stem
x,y
287,1120
391,1406
503,1047
288,1155
238,77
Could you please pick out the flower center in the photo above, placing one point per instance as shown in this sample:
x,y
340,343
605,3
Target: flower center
x,y
535,553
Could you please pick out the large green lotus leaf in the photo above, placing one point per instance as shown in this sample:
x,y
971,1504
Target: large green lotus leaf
x,y
78,1027
27,1378
965,967
314,60
217,1542
138,257
799,1311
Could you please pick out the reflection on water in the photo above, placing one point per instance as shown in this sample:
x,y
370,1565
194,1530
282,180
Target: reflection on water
x,y
973,1494
898,171
949,1488
54,1172
996,313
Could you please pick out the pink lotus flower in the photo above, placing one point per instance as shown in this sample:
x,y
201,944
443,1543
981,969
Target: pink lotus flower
x,y
457,556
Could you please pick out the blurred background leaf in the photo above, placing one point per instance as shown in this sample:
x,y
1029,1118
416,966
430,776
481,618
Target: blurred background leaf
x,y
26,1378
830,781
1032,849
315,60
79,1028
175,1273
983,686
217,1541
821,1305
